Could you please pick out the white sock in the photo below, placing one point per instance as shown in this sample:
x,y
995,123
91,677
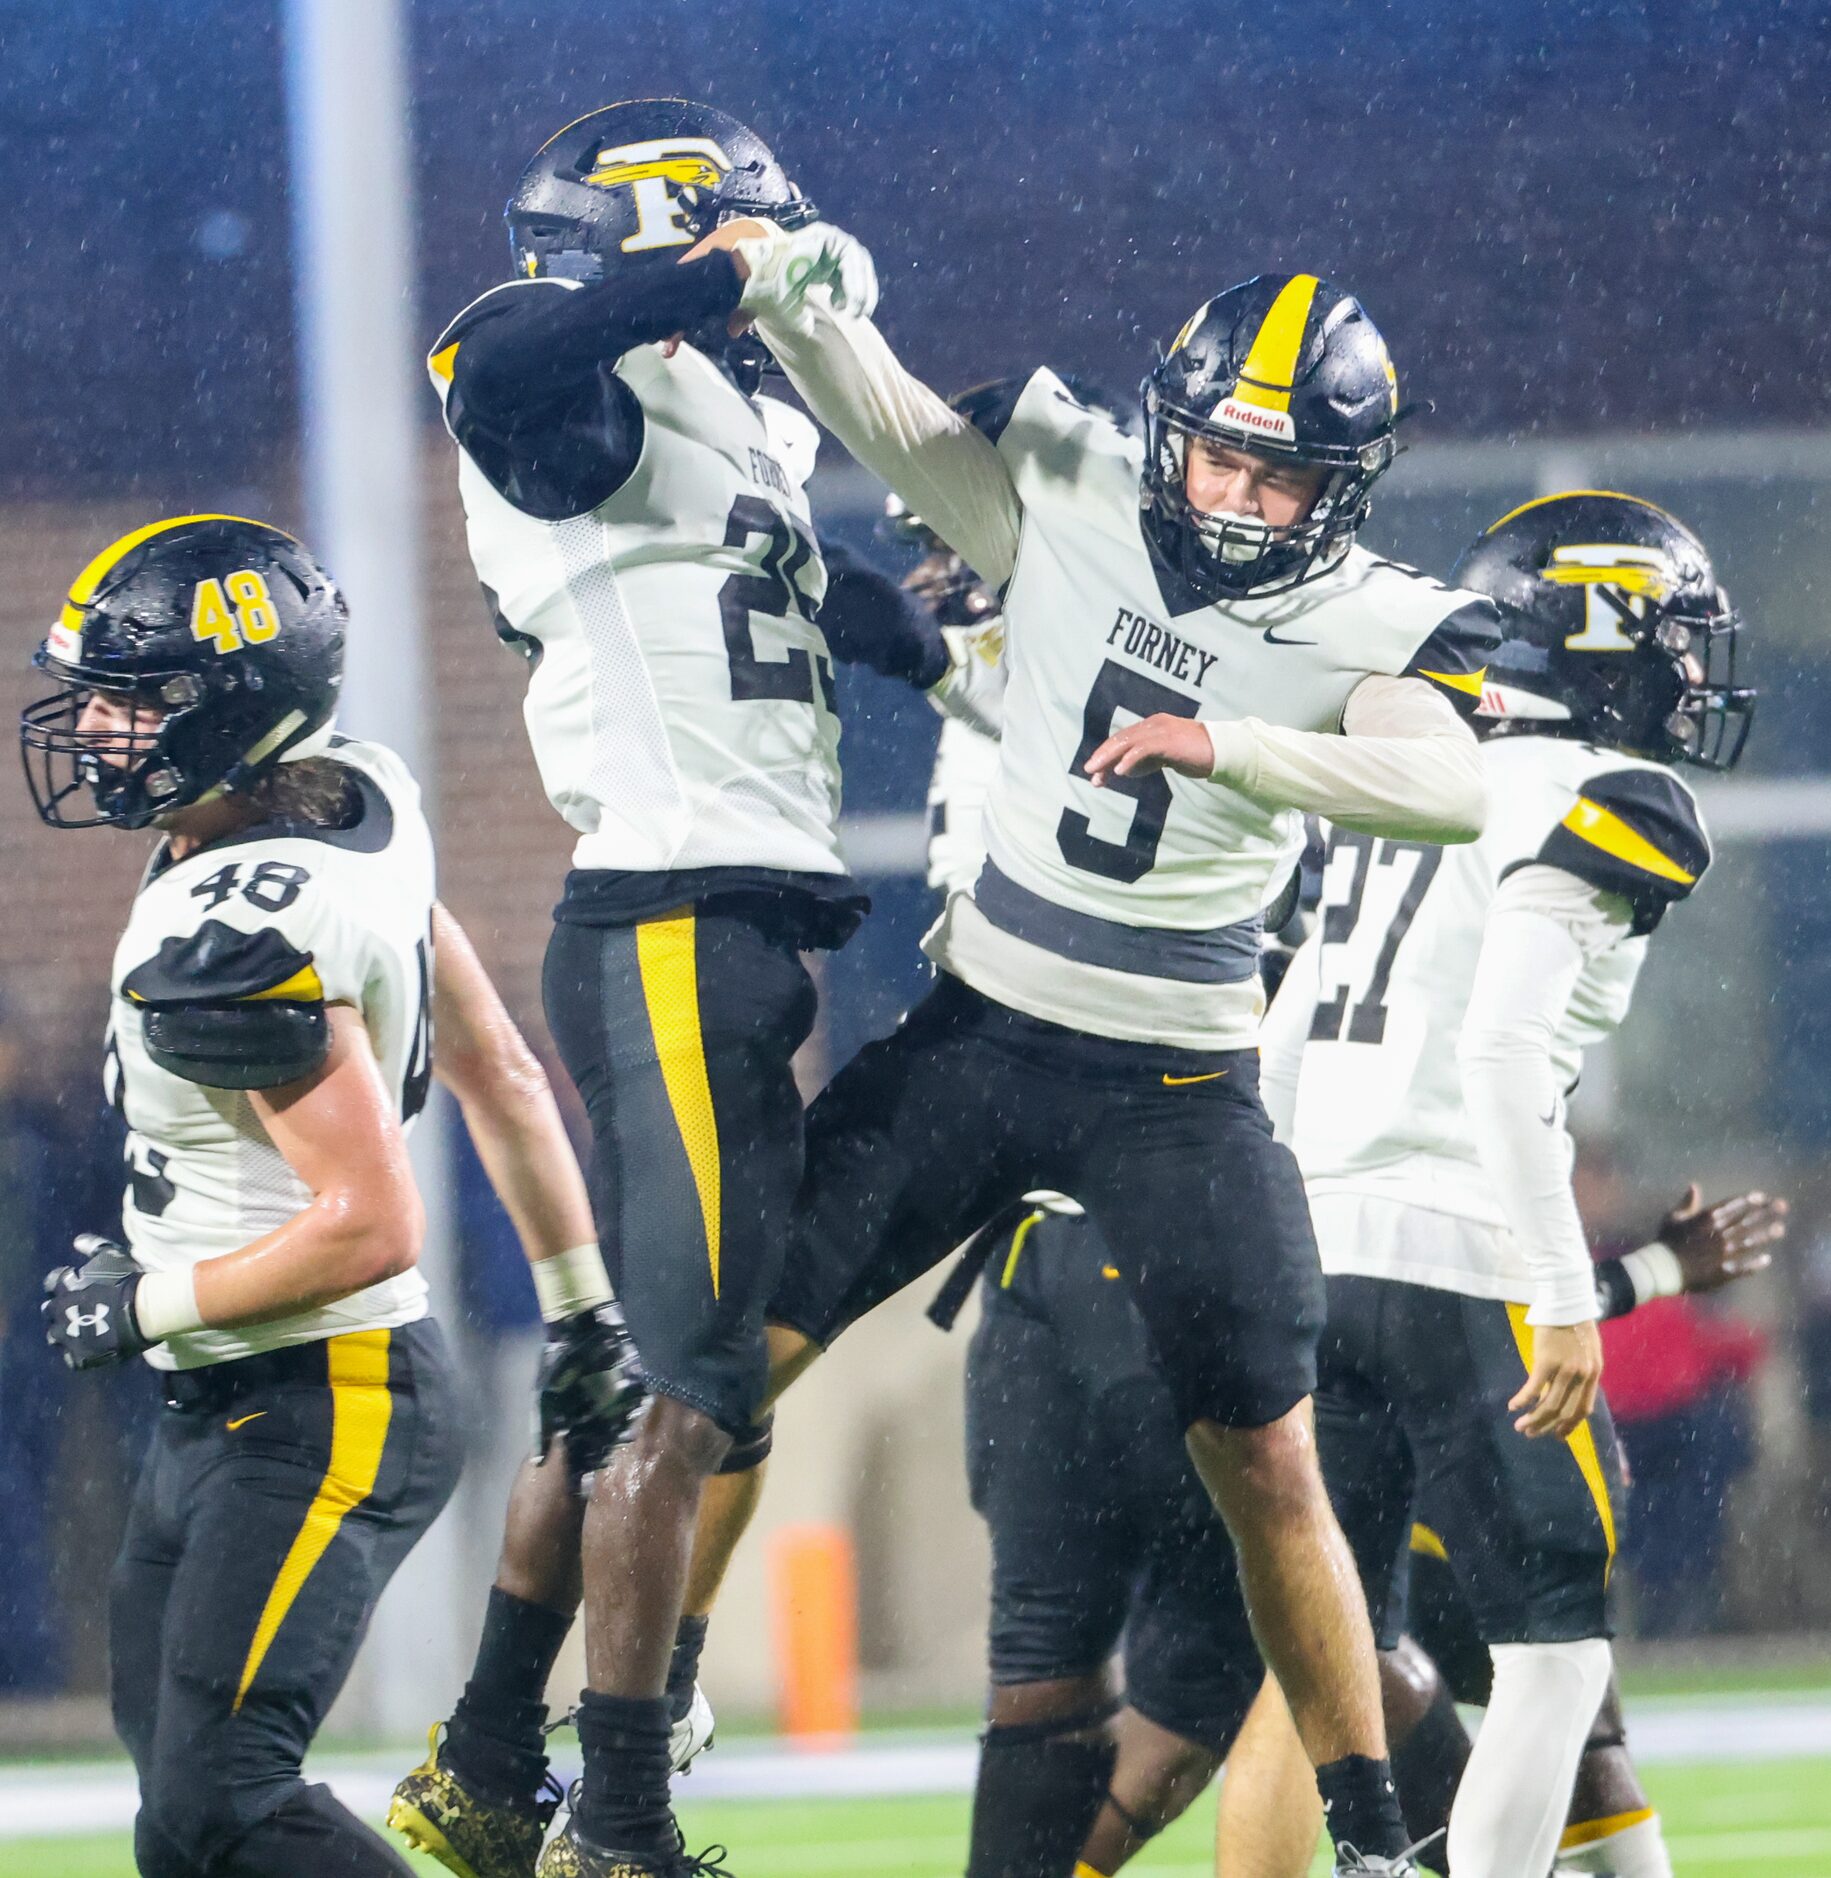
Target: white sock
x,y
1635,1848
1510,1809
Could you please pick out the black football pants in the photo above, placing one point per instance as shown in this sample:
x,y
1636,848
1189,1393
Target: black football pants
x,y
280,1493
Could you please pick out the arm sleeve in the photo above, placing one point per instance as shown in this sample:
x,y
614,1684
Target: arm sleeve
x,y
1286,1030
1405,766
533,397
1543,927
899,429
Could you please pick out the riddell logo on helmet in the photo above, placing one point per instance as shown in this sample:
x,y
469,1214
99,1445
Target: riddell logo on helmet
x,y
1253,417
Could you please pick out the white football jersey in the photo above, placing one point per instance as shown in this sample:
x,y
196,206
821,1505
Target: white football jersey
x,y
966,760
1134,910
680,695
1379,1112
278,912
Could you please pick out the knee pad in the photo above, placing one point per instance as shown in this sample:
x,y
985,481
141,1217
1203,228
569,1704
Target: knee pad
x,y
751,1448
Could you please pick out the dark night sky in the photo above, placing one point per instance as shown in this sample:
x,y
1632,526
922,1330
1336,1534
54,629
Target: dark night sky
x,y
1567,217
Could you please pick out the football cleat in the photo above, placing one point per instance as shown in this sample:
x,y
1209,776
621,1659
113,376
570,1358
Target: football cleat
x,y
570,1854
469,1834
692,1734
1350,1863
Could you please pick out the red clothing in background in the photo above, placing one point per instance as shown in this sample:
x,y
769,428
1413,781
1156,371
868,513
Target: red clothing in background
x,y
1669,1355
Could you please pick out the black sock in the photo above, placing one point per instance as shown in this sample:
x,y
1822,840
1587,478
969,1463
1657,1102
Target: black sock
x,y
624,1803
683,1665
1428,1764
1036,1799
494,1740
1361,1806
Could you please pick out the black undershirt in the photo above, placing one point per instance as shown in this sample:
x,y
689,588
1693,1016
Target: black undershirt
x,y
535,399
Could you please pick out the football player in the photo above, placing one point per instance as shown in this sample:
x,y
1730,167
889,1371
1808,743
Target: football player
x,y
637,515
1102,1538
269,1046
1418,1058
1098,1004
1266,1828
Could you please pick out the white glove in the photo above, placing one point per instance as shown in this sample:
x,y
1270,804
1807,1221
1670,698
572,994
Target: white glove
x,y
782,268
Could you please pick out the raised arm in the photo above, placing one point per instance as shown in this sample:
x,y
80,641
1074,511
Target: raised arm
x,y
890,421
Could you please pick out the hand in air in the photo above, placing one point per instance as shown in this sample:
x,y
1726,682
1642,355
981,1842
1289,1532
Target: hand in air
x,y
779,274
1566,1374
1153,743
1715,1245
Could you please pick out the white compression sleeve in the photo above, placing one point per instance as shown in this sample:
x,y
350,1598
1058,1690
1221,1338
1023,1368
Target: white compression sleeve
x,y
1515,1792
1542,927
1284,1033
946,471
1405,766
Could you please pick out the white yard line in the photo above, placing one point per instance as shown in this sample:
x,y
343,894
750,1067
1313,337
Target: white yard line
x,y
82,1797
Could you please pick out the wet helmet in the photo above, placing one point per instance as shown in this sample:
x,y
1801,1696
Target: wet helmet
x,y
1287,366
1615,627
226,631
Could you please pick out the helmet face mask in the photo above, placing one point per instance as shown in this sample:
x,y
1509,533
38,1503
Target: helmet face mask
x,y
1286,367
1617,630
220,639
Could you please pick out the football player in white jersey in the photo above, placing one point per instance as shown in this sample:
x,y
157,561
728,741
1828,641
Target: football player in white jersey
x,y
638,517
1417,1059
269,1045
1094,1025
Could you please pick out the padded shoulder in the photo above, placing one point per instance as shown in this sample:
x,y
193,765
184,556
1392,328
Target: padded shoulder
x,y
440,361
231,1009
1636,832
1455,655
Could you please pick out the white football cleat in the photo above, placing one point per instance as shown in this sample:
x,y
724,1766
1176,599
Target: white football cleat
x,y
692,1734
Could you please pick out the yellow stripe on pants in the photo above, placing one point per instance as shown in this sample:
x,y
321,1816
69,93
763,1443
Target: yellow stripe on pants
x,y
1582,1444
667,956
361,1405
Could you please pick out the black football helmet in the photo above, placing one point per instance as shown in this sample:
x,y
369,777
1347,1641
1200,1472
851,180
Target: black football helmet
x,y
1288,366
944,582
635,185
230,635
1615,630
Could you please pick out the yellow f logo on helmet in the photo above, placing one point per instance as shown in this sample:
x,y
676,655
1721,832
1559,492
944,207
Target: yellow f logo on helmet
x,y
655,172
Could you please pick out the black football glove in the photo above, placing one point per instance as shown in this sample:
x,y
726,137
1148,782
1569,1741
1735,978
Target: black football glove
x,y
88,1308
869,620
590,1387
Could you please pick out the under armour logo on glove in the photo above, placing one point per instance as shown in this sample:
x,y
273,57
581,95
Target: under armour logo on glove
x,y
102,1328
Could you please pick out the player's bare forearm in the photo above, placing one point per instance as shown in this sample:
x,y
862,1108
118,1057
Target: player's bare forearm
x,y
340,1132
508,1103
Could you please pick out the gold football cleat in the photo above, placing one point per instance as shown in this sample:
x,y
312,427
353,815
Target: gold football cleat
x,y
474,1837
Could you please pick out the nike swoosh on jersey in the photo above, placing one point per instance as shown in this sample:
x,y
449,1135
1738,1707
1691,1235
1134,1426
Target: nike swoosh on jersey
x,y
241,1421
1270,636
1176,1082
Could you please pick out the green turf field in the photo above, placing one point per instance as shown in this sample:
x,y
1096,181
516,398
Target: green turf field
x,y
1771,1818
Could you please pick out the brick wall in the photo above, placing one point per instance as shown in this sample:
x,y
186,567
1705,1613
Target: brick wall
x,y
63,896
